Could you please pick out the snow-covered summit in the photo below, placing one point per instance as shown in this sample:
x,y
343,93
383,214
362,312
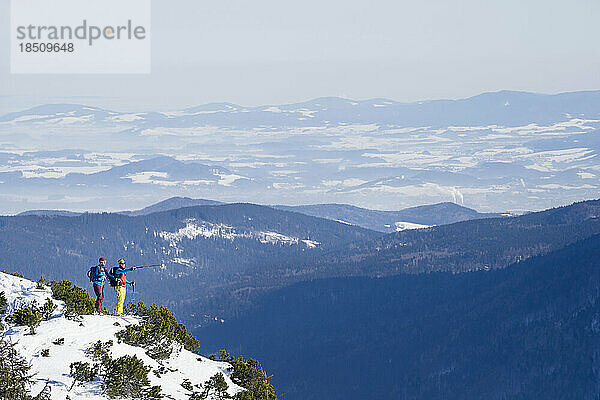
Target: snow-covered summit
x,y
60,341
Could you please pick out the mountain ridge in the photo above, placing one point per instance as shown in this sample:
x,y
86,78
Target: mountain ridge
x,y
449,110
378,220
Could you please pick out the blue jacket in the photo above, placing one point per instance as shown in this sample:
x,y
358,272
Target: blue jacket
x,y
100,274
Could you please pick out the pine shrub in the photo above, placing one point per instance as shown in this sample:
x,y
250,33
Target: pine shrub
x,y
157,332
42,283
47,309
127,377
187,385
82,372
3,303
124,377
77,300
32,315
17,274
59,341
216,386
250,375
29,316
14,373
100,352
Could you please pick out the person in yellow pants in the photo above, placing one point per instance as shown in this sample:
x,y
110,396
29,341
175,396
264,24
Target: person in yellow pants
x,y
122,282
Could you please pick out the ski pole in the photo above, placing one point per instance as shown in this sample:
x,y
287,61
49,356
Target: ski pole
x,y
146,266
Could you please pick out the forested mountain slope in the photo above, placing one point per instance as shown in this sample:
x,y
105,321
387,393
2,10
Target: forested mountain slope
x,y
467,246
529,331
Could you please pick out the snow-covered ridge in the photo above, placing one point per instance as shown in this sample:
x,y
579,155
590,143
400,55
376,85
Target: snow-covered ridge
x,y
402,226
195,228
79,335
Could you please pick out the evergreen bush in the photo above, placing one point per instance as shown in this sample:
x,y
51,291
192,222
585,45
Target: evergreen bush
x,y
216,386
250,375
100,351
29,316
127,377
42,283
82,372
14,373
3,303
77,300
187,385
157,332
32,315
17,274
124,377
47,309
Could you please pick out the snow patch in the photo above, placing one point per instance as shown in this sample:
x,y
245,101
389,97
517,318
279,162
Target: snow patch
x,y
194,229
402,226
586,175
125,118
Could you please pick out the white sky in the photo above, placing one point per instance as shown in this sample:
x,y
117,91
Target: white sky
x,y
277,51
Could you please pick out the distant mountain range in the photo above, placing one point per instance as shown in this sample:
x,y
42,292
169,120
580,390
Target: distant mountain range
x,y
489,243
382,221
392,221
495,152
172,203
503,107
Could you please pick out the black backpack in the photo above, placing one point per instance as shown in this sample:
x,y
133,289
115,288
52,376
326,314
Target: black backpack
x,y
112,277
92,273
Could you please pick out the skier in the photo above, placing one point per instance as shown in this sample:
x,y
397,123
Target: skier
x,y
97,275
119,274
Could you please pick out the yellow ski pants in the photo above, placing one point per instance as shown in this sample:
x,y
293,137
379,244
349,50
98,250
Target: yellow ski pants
x,y
121,290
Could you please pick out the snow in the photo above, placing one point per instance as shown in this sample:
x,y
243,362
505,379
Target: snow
x,y
342,222
146,177
79,335
188,262
194,228
71,120
20,292
229,179
402,226
125,118
586,175
311,243
30,117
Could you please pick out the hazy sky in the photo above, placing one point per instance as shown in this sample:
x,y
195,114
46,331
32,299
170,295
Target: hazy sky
x,y
275,51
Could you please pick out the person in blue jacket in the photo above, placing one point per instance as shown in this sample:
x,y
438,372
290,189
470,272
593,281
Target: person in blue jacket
x,y
98,276
122,282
